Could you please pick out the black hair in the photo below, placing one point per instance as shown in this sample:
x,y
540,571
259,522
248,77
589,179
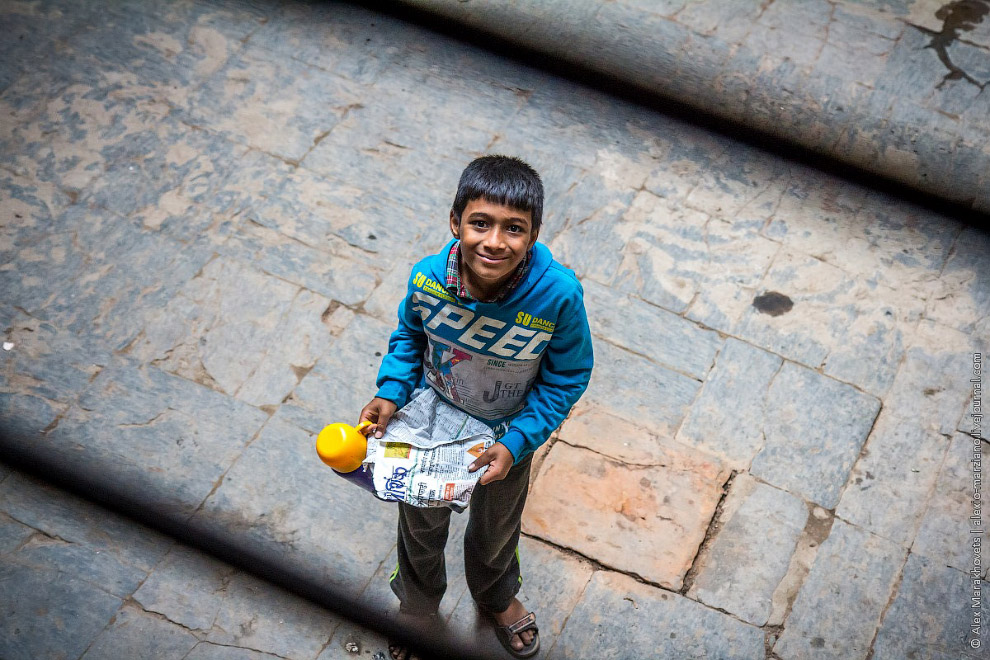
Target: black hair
x,y
501,180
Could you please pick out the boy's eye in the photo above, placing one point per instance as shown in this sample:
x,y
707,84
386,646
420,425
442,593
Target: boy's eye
x,y
515,228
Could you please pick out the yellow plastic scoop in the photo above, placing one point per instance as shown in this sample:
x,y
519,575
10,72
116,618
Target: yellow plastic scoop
x,y
342,446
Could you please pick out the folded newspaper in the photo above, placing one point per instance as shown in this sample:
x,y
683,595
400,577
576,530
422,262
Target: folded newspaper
x,y
423,457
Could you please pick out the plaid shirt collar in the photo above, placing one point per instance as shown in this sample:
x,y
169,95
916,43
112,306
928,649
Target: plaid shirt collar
x,y
456,285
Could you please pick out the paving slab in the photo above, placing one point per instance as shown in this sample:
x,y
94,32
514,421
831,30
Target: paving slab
x,y
187,588
134,631
123,551
239,331
168,438
814,429
960,297
932,613
616,369
644,520
336,271
893,479
318,211
758,531
75,612
235,103
729,416
945,533
116,270
683,625
828,318
636,326
343,381
838,610
279,499
285,627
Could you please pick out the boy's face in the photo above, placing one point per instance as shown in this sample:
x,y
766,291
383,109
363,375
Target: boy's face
x,y
494,240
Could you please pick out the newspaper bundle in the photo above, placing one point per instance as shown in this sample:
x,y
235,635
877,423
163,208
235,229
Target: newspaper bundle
x,y
423,457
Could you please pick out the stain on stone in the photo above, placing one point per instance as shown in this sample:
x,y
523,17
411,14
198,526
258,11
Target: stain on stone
x,y
773,303
818,642
962,15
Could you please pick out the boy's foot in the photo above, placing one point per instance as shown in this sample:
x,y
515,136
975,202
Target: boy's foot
x,y
523,640
421,623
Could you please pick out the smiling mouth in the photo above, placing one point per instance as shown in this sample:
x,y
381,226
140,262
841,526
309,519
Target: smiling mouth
x,y
492,260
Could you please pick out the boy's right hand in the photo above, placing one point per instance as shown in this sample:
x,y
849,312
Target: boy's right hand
x,y
378,412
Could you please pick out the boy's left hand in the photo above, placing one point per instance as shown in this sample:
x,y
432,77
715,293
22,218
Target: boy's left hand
x,y
498,458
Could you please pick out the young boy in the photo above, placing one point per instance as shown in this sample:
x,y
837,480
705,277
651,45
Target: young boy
x,y
498,329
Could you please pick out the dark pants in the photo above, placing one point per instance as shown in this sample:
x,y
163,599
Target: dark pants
x,y
491,541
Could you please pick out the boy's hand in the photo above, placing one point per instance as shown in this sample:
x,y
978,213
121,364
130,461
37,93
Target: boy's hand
x,y
498,458
378,412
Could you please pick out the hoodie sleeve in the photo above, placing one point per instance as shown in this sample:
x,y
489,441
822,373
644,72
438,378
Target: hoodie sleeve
x,y
563,377
402,366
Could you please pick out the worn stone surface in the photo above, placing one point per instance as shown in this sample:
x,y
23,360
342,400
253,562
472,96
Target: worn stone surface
x,y
169,439
287,627
343,380
829,76
945,533
68,587
645,520
135,631
854,329
280,499
114,269
665,338
932,613
106,551
616,369
758,530
75,611
729,416
837,612
684,625
210,651
12,534
961,296
44,370
814,428
235,190
336,271
187,588
235,102
893,479
239,331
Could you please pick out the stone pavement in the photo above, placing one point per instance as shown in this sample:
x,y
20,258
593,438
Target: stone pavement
x,y
893,87
209,211
79,582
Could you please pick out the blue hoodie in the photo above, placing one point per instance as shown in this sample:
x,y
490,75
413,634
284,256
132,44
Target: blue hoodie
x,y
517,364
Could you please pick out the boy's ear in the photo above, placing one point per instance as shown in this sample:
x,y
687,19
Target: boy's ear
x,y
455,228
533,237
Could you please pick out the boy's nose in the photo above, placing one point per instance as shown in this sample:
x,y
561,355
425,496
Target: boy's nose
x,y
495,239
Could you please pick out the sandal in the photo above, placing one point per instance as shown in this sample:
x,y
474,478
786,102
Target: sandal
x,y
506,633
